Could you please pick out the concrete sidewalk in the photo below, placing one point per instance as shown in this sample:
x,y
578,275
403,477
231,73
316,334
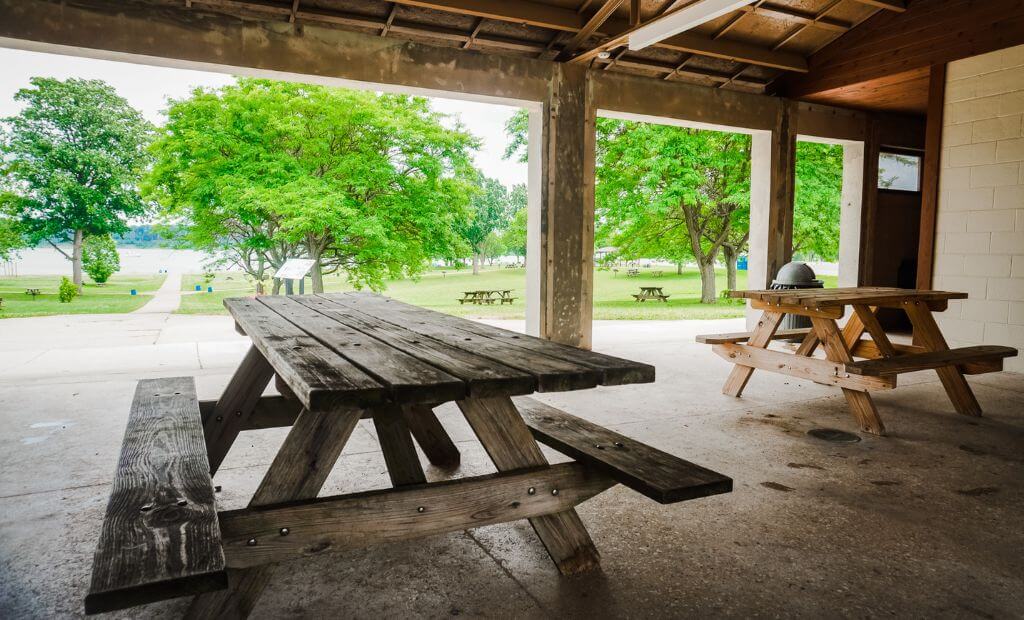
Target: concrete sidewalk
x,y
923,523
167,298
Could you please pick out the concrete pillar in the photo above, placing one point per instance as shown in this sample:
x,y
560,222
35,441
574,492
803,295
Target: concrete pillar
x,y
560,228
850,213
772,186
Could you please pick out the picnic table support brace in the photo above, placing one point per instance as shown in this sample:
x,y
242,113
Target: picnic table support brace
x,y
396,443
510,444
438,447
298,472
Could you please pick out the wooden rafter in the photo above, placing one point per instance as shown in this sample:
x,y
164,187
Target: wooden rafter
x,y
472,35
595,22
568,20
390,20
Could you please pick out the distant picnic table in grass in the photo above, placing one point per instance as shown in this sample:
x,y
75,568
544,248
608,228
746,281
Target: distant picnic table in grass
x,y
650,292
487,296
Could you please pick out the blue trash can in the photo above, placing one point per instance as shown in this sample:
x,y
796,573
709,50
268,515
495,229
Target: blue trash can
x,y
209,289
199,287
134,292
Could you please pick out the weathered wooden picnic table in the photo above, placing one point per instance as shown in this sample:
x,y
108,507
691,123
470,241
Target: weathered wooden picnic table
x,y
882,360
487,296
650,292
337,359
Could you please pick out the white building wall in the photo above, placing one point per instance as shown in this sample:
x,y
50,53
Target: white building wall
x,y
980,227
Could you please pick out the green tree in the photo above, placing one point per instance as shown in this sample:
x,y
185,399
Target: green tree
x,y
263,171
490,212
11,237
100,258
71,162
673,193
819,188
514,235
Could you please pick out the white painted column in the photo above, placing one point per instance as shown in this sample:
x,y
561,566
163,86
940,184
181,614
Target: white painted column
x,y
850,213
760,203
534,217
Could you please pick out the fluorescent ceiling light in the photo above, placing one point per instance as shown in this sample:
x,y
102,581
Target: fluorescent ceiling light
x,y
682,20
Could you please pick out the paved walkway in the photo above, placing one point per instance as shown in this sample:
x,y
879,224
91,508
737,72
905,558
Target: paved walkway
x,y
167,298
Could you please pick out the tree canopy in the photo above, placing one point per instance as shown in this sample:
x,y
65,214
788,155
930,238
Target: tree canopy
x,y
264,170
70,163
819,187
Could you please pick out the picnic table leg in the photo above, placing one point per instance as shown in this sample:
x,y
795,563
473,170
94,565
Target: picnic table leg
x,y
235,406
508,441
761,337
396,442
868,316
298,472
928,334
836,349
431,436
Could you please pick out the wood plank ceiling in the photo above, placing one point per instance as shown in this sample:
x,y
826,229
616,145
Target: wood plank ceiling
x,y
744,50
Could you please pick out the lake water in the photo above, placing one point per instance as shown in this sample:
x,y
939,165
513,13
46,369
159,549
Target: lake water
x,y
46,261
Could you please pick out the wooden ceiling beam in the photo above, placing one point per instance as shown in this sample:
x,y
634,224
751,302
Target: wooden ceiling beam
x,y
596,21
891,5
799,17
568,20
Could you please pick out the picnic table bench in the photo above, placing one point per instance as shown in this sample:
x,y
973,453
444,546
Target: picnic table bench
x,y
881,360
335,360
650,292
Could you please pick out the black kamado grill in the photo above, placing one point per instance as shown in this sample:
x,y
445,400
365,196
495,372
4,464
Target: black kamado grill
x,y
793,276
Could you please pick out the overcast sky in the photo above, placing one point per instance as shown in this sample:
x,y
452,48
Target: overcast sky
x,y
147,88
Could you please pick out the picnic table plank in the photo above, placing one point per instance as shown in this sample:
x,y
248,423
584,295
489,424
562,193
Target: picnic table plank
x,y
406,378
614,370
552,375
160,536
929,360
483,377
870,296
317,375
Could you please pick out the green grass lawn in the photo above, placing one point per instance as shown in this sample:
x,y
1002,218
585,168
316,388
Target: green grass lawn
x,y
441,290
112,297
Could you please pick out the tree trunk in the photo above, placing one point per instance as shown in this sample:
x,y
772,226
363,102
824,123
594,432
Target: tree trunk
x,y
76,261
317,277
707,281
476,264
730,269
277,286
679,268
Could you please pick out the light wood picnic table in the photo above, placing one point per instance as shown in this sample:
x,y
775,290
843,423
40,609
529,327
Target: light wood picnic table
x,y
650,292
883,360
336,359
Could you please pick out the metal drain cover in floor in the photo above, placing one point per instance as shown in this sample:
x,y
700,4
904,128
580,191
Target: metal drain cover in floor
x,y
833,435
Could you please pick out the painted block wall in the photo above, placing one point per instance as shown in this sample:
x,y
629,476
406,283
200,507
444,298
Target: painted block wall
x,y
980,225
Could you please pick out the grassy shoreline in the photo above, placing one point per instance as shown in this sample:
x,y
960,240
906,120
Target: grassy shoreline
x,y
114,297
440,290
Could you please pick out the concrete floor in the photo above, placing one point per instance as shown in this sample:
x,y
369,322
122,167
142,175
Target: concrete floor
x,y
923,523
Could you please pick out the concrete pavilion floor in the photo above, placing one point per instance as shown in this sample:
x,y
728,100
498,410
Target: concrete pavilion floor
x,y
924,523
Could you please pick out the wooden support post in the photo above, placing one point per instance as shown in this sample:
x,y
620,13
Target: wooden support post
x,y
869,202
431,436
567,208
761,337
235,406
298,472
860,403
930,175
783,188
508,441
867,317
927,332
